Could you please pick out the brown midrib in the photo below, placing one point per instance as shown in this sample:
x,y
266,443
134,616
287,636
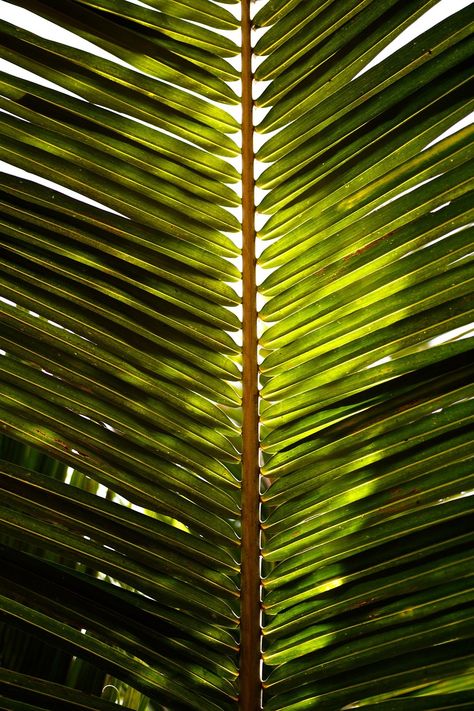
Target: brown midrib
x,y
250,633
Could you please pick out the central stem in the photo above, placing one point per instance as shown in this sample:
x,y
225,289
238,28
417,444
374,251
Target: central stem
x,y
250,633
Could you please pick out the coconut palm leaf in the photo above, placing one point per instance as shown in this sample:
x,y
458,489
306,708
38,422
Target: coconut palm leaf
x,y
176,534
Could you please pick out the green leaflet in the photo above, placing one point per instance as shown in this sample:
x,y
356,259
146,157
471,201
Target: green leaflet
x,y
205,11
431,43
96,127
23,684
137,242
132,48
150,681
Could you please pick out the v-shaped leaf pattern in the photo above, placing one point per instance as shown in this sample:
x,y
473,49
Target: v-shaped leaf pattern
x,y
125,383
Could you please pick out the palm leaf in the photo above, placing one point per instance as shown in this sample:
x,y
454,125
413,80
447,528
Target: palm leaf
x,y
128,519
361,408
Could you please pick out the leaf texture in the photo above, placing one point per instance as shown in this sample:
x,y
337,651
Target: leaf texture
x,y
366,376
118,356
121,357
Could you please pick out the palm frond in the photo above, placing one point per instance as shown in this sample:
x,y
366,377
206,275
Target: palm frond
x,y
123,396
367,402
118,359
